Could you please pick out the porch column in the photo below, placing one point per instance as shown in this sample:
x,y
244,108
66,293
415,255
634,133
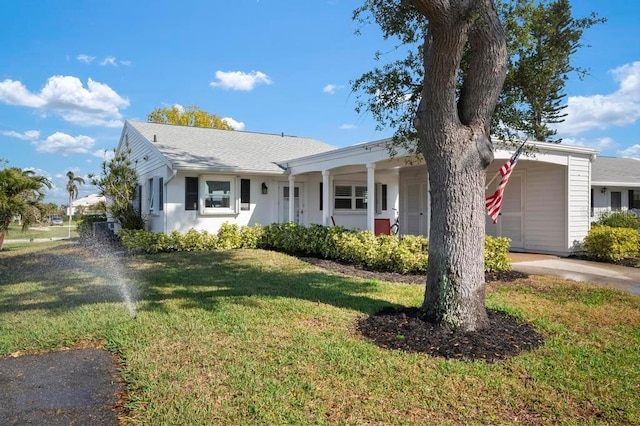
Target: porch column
x,y
326,203
292,203
371,190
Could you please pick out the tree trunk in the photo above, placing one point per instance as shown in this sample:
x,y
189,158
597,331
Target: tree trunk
x,y
3,233
453,127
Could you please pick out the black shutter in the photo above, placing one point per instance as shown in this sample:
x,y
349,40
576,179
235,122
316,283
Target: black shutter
x,y
384,196
321,196
161,193
191,193
245,194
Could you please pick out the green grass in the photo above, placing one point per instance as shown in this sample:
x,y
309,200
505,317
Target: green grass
x,y
256,337
42,231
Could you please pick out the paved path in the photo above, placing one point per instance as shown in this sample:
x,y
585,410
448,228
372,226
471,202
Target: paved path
x,y
619,277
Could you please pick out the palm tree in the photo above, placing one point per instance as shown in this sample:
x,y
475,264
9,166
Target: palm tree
x,y
72,189
21,193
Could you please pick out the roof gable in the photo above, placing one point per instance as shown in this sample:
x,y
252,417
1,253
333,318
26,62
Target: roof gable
x,y
214,149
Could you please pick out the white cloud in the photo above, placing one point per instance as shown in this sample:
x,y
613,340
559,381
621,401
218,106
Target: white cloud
x,y
14,93
104,154
620,108
331,88
601,144
238,80
348,126
125,63
631,152
29,135
96,105
109,60
87,59
62,143
237,125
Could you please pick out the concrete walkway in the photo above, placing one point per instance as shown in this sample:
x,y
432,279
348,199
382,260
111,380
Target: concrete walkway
x,y
622,278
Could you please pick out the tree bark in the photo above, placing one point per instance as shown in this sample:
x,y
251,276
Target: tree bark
x,y
453,127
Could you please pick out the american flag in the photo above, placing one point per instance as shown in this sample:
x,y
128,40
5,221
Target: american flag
x,y
494,202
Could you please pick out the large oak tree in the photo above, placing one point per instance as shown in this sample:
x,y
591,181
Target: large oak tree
x,y
443,95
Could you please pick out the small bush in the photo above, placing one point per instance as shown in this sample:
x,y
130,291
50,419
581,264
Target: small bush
x,y
611,244
496,254
620,220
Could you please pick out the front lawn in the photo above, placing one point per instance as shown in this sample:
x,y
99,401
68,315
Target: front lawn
x,y
43,231
258,337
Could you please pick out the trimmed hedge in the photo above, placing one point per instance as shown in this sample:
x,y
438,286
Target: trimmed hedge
x,y
407,255
611,244
619,220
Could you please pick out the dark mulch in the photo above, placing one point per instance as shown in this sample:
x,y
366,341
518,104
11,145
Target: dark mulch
x,y
404,329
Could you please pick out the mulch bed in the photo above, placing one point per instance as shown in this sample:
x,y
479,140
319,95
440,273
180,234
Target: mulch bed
x,y
404,329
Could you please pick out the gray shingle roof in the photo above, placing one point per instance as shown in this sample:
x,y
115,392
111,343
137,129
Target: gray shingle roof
x,y
611,170
211,149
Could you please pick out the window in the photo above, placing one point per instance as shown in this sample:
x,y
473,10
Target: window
x,y
217,194
245,194
191,193
634,199
350,197
220,194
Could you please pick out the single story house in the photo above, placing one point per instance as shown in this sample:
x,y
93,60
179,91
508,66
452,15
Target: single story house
x,y
88,203
196,178
615,186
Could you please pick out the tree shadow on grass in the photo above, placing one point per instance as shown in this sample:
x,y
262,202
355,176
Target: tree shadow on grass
x,y
200,280
68,275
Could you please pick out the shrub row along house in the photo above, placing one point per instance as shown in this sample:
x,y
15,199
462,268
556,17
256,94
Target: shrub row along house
x,y
198,178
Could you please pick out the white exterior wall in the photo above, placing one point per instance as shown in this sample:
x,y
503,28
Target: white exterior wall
x,y
579,193
263,208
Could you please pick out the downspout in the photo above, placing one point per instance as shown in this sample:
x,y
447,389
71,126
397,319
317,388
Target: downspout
x,y
164,199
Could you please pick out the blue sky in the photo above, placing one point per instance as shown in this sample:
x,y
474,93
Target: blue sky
x,y
72,71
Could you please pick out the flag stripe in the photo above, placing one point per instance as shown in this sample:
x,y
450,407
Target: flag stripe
x,y
494,202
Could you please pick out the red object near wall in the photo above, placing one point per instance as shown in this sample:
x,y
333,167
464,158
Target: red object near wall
x,y
382,226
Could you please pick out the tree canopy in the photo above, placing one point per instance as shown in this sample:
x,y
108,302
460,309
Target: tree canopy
x,y
118,182
541,38
190,115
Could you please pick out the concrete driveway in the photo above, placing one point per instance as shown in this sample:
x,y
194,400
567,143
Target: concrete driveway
x,y
622,278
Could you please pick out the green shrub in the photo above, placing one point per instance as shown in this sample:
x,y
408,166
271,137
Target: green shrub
x,y
229,237
611,244
619,220
250,236
141,241
496,254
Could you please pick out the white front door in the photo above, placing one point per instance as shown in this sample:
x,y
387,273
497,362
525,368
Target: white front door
x,y
510,221
283,201
414,218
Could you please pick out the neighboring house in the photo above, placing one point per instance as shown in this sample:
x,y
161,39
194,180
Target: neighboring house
x,y
615,186
196,178
87,204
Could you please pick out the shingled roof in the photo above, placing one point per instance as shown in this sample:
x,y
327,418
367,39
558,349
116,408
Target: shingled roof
x,y
612,171
211,149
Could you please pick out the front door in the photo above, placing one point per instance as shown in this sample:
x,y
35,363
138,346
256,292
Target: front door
x,y
285,199
415,215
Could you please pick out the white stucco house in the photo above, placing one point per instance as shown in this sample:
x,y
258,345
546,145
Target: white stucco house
x,y
195,178
615,186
